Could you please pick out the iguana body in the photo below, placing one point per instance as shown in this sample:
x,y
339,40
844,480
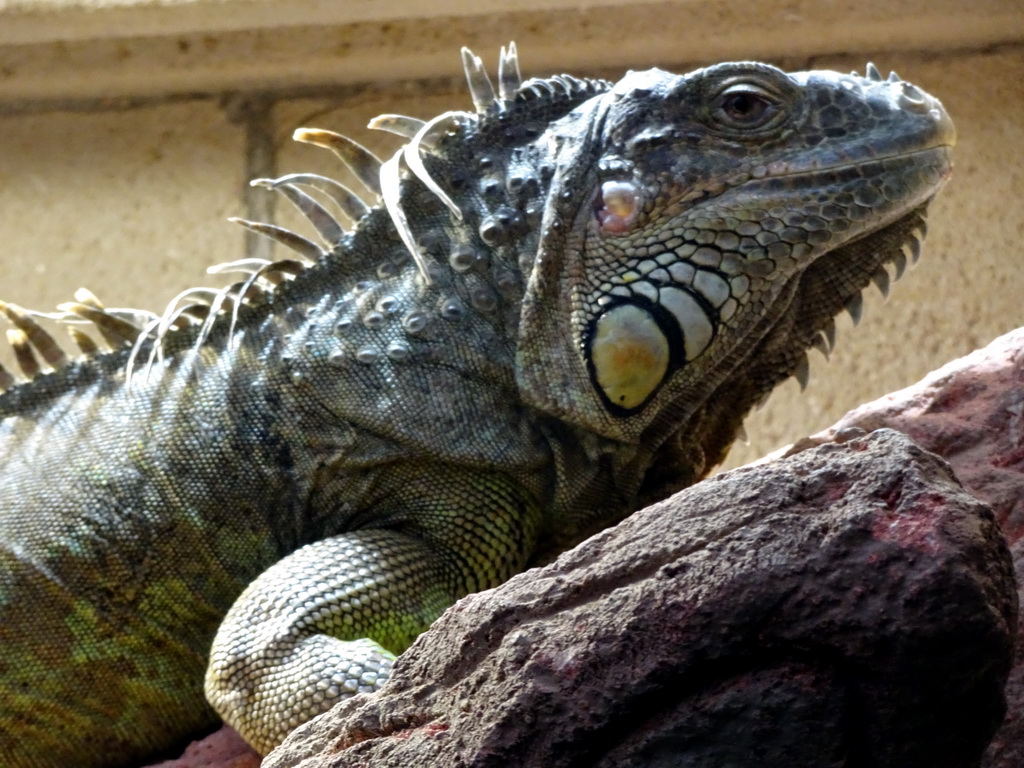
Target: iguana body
x,y
564,309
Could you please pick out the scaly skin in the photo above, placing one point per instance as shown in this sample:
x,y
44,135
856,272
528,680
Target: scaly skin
x,y
631,269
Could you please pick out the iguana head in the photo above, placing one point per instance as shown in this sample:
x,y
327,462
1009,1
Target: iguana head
x,y
684,213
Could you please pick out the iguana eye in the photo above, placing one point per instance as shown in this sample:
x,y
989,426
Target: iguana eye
x,y
744,106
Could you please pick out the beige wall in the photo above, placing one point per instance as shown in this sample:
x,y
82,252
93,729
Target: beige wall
x,y
131,202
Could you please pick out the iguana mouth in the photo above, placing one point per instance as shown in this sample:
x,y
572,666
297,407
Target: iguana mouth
x,y
941,152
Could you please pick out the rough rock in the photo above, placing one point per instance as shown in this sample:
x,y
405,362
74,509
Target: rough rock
x,y
851,605
223,748
970,412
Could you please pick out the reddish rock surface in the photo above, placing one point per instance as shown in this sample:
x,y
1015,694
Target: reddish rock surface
x,y
221,749
849,606
971,412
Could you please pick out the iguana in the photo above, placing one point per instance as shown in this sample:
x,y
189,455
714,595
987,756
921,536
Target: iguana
x,y
559,308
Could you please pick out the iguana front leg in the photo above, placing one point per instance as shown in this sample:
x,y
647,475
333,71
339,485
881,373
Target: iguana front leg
x,y
326,622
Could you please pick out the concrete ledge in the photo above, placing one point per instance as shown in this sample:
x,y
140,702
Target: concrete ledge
x,y
54,50
42,21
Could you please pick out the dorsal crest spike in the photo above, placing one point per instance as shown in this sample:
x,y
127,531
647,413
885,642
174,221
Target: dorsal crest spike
x,y
350,204
115,330
414,158
509,78
225,297
391,182
913,246
560,87
357,158
23,354
399,125
158,328
248,266
301,245
83,341
87,297
820,343
248,289
855,308
480,87
899,262
205,305
881,280
829,330
802,372
329,229
35,335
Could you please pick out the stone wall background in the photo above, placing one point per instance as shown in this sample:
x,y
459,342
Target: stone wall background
x,y
126,141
